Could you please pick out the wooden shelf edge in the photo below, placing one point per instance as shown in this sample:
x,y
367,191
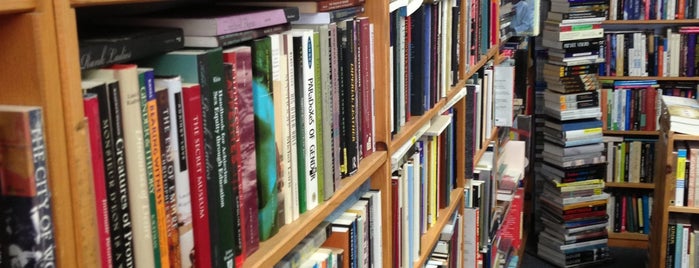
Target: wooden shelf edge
x,y
481,151
684,137
628,236
429,239
690,210
660,78
631,132
410,127
83,3
633,185
275,248
647,22
17,6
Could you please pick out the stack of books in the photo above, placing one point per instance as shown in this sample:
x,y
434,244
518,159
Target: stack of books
x,y
574,216
572,202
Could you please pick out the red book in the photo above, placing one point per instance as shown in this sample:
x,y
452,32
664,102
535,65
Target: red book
x,y
92,113
650,101
512,224
367,102
194,136
623,213
243,154
395,193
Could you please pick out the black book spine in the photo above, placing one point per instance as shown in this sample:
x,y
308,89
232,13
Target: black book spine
x,y
670,250
417,92
351,101
617,213
230,108
120,165
227,40
100,54
455,45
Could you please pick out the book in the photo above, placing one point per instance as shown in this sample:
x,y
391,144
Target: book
x,y
194,137
107,91
27,232
680,114
243,150
227,40
103,45
307,6
92,116
207,20
328,17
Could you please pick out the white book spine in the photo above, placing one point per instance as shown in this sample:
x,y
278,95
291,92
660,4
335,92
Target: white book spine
x,y
309,100
291,124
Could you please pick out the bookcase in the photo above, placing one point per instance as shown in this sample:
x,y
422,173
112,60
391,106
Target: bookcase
x,y
40,51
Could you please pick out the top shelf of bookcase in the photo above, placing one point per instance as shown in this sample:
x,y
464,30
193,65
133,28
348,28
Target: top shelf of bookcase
x,y
647,22
17,6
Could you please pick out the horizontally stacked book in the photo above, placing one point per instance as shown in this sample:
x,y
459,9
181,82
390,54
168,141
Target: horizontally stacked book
x,y
572,202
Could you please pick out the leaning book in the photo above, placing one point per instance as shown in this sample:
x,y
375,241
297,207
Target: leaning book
x,y
26,223
680,114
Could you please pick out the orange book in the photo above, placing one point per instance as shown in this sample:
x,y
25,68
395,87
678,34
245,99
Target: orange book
x,y
158,183
340,238
603,106
661,56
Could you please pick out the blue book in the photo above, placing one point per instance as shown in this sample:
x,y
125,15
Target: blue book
x,y
635,83
678,244
427,54
409,211
627,111
574,124
646,213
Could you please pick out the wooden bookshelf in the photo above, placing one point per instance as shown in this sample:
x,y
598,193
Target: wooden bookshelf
x,y
628,240
429,239
275,248
630,132
686,210
631,185
659,78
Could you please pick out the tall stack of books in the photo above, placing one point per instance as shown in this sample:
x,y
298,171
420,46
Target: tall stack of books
x,y
573,206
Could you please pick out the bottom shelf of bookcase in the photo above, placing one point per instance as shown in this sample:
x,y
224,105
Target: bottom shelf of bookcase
x,y
628,240
275,248
429,239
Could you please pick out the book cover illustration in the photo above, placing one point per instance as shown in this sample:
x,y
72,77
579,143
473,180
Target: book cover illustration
x,y
266,150
26,223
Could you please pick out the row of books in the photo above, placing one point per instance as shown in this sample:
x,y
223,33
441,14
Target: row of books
x,y
422,181
686,174
26,222
260,89
446,252
630,212
424,60
669,53
349,237
681,242
653,10
630,159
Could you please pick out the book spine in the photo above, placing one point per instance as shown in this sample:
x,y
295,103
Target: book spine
x,y
246,173
318,102
366,93
230,105
101,54
129,89
325,100
335,111
330,5
292,123
281,136
197,174
300,125
164,128
308,96
266,151
91,108
352,144
240,37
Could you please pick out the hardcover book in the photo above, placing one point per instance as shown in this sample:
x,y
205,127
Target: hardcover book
x,y
307,6
91,108
26,220
102,45
194,137
227,40
243,150
265,145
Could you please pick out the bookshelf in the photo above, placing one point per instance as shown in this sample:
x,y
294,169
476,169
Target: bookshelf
x,y
43,52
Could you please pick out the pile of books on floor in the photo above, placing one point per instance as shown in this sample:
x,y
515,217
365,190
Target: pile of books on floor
x,y
573,206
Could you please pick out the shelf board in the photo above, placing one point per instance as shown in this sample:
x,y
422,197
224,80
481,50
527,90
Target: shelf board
x,y
689,210
17,6
631,132
628,236
416,122
648,22
684,137
630,185
659,78
429,239
275,248
82,3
